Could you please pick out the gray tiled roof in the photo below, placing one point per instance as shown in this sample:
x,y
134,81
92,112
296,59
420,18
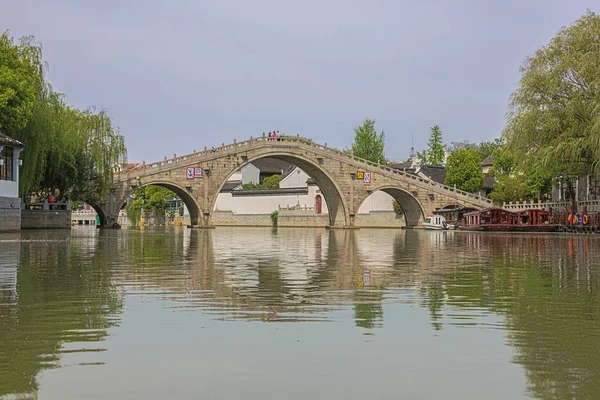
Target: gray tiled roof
x,y
7,140
489,160
230,185
272,165
436,174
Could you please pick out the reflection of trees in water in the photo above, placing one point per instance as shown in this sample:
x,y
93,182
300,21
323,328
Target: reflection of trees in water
x,y
547,289
62,297
368,309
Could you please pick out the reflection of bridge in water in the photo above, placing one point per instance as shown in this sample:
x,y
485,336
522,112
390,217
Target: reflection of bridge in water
x,y
544,287
333,171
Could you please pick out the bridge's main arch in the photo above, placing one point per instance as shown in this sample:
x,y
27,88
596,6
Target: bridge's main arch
x,y
338,209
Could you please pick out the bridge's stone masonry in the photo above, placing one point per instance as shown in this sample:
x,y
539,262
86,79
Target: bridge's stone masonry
x,y
334,172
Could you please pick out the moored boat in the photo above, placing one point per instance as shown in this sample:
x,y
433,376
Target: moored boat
x,y
501,220
534,220
489,219
435,222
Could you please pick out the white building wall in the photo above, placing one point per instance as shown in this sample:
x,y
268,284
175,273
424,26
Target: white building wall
x,y
237,176
266,204
378,201
295,179
11,188
249,173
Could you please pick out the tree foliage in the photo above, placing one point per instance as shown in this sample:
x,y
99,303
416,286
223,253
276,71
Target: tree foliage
x,y
464,170
483,149
271,182
369,144
515,181
436,149
251,186
69,152
554,120
397,208
152,199
21,79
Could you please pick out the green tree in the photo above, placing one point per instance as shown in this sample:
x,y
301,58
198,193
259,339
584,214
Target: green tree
x,y
271,182
509,188
483,149
464,171
462,145
368,309
554,119
515,181
70,152
369,144
251,186
21,80
505,163
436,149
152,199
487,148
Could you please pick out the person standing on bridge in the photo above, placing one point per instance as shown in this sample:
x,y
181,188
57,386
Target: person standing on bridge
x,y
270,135
274,136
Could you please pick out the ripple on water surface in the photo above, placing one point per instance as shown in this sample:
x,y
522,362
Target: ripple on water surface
x,y
298,313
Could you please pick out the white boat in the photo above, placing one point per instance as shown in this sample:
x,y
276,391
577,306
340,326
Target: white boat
x,y
435,222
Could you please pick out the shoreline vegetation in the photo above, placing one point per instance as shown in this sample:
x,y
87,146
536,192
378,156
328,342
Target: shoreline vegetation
x,y
69,152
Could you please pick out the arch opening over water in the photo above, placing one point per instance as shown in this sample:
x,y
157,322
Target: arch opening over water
x,y
330,192
194,210
412,209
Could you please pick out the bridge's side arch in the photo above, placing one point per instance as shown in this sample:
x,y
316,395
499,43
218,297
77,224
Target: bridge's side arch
x,y
330,189
101,214
412,208
190,202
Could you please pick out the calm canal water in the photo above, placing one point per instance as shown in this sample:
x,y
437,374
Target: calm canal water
x,y
298,314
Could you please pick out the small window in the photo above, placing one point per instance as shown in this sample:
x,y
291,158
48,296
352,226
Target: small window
x,y
7,167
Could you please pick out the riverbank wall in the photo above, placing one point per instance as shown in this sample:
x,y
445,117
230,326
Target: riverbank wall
x,y
10,214
46,215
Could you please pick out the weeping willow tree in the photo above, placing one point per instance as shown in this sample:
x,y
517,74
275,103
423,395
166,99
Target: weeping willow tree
x,y
554,121
69,152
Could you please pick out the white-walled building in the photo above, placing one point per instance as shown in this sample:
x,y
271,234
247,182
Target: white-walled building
x,y
295,188
10,203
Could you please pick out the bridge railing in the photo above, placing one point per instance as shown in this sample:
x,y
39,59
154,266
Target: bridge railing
x,y
208,154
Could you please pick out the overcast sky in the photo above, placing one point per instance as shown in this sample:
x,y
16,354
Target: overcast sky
x,y
180,74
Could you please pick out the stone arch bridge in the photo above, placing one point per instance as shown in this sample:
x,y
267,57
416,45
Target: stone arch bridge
x,y
335,172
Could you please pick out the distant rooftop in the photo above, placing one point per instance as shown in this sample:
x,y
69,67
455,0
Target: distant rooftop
x,y
272,165
489,160
436,174
7,140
